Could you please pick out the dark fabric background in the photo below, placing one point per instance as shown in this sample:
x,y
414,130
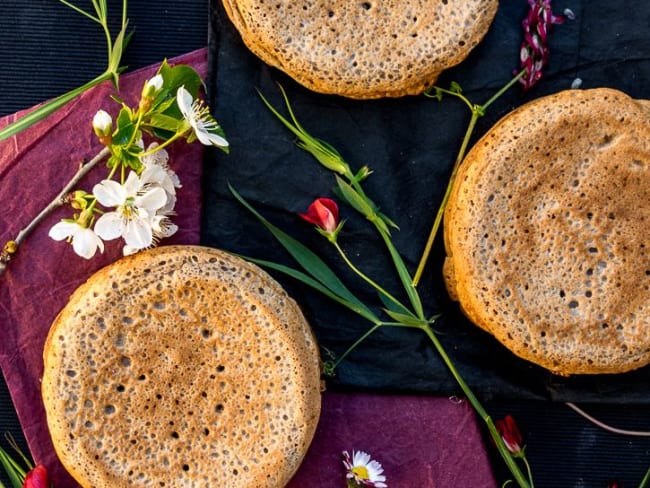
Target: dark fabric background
x,y
45,49
411,143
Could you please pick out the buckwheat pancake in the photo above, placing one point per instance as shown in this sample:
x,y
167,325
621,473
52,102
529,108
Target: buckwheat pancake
x,y
546,232
362,49
181,366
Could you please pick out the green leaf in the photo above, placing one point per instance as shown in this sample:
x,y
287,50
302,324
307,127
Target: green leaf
x,y
308,280
406,319
395,307
324,153
455,87
309,261
116,53
404,276
15,472
125,131
164,122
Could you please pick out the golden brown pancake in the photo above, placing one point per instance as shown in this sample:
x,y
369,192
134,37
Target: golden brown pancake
x,y
546,232
362,49
182,366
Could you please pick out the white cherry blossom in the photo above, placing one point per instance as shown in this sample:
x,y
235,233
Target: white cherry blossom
x,y
135,206
198,117
84,241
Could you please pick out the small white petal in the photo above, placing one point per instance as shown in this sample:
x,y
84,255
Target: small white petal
x,y
109,193
152,200
132,185
85,243
138,233
109,226
210,139
184,100
62,230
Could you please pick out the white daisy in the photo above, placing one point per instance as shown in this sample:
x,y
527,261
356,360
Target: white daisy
x,y
363,470
198,117
84,241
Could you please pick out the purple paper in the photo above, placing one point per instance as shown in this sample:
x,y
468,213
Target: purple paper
x,y
421,441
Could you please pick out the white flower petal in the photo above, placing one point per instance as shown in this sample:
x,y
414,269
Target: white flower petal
x,y
109,193
152,200
210,139
128,250
109,226
138,233
132,185
63,230
184,100
85,243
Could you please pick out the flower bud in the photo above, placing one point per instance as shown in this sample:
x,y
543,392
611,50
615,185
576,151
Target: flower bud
x,y
510,435
36,478
152,86
324,214
103,126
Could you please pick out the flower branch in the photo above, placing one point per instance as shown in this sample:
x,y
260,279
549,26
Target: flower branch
x,y
138,204
324,214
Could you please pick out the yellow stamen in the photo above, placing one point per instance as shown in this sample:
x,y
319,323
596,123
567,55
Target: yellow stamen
x,y
361,472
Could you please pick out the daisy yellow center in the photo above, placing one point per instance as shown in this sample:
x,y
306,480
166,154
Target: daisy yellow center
x,y
361,472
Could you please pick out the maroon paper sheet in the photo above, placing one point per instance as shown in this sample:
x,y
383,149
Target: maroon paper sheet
x,y
423,442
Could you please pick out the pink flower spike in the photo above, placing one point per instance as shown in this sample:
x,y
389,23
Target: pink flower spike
x,y
537,27
323,213
36,478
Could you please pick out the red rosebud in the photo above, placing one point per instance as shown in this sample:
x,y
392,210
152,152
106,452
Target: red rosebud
x,y
614,484
36,478
323,213
510,434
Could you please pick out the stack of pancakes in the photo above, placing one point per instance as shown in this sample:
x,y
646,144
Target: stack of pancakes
x,y
362,49
181,366
546,232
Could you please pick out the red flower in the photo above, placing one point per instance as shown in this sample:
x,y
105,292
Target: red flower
x,y
614,484
534,48
510,434
36,478
323,213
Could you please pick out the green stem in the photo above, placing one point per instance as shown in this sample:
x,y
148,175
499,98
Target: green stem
x,y
477,111
356,343
503,450
50,107
366,278
441,209
645,480
528,470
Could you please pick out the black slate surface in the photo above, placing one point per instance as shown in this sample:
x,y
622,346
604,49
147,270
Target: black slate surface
x,y
411,144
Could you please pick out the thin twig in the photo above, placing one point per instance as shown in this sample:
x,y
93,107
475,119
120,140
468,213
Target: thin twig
x,y
609,428
12,246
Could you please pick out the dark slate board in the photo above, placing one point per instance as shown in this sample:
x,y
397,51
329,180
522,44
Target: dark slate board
x,y
410,143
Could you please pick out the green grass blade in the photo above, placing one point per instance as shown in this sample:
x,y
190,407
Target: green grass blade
x,y
309,261
309,281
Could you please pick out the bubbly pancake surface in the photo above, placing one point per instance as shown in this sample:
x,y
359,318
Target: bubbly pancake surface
x,y
546,232
181,366
362,49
